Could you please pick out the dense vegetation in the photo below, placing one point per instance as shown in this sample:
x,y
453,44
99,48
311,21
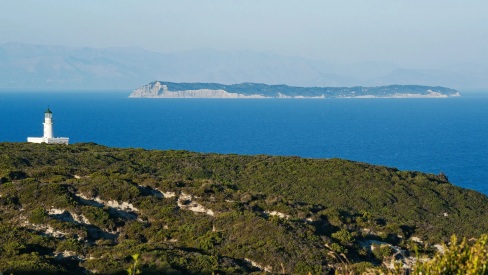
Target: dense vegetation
x,y
466,257
89,208
329,92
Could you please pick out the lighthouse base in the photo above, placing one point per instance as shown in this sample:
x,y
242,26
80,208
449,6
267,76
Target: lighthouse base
x,y
56,140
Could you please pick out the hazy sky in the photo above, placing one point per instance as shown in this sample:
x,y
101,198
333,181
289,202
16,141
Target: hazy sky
x,y
429,33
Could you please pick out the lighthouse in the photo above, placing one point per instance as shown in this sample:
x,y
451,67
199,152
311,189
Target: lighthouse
x,y
48,132
48,124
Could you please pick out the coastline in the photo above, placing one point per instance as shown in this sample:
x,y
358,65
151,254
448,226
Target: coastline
x,y
160,89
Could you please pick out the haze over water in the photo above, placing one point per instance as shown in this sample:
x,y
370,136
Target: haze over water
x,y
326,43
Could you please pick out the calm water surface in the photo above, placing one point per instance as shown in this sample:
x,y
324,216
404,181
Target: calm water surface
x,y
428,135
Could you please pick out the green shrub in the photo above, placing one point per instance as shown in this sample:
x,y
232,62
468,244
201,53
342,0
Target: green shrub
x,y
458,258
338,248
38,215
98,217
70,245
382,251
343,236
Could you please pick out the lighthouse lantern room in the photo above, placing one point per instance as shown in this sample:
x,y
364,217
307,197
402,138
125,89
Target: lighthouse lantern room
x,y
48,132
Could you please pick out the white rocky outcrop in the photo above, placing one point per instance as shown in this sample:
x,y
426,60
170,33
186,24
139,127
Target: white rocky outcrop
x,y
416,239
160,194
391,261
44,228
278,214
68,254
406,95
440,248
68,216
267,268
185,202
167,194
159,90
280,95
372,243
122,206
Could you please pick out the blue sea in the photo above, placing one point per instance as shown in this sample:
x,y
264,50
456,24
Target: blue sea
x,y
429,135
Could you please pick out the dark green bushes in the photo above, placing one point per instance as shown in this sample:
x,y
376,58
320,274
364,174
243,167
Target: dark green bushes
x,y
283,213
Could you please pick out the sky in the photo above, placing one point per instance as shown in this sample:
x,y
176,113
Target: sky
x,y
428,34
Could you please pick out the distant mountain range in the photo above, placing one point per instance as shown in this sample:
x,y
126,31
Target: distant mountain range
x,y
158,89
27,66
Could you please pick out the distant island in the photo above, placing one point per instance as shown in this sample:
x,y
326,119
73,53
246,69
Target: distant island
x,y
161,89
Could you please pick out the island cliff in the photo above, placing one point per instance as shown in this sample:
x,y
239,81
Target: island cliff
x,y
159,89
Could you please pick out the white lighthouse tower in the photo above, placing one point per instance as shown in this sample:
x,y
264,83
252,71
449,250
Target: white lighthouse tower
x,y
48,124
48,132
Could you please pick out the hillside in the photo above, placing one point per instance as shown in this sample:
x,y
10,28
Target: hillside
x,y
88,208
159,89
